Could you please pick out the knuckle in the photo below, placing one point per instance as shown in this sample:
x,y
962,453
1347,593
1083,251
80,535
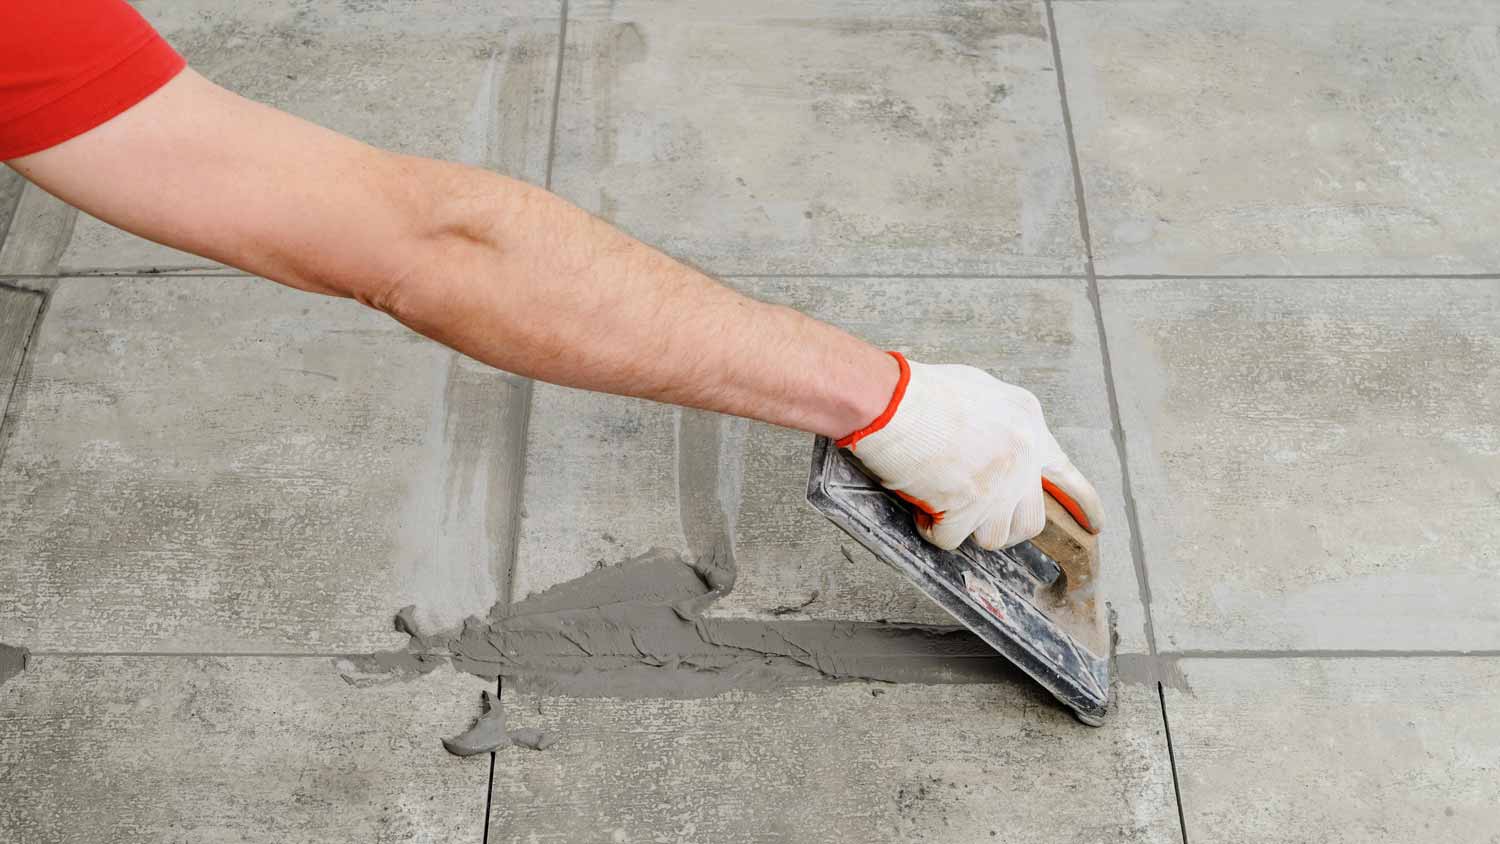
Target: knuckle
x,y
1028,401
1032,523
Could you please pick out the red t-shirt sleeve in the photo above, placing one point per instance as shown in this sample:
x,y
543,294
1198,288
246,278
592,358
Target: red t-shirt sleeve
x,y
67,66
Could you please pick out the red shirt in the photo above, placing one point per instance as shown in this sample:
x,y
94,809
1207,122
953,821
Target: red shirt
x,y
67,66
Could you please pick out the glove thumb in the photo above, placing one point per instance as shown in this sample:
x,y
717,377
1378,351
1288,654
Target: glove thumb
x,y
1062,480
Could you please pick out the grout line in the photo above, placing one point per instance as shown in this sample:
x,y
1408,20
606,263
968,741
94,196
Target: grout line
x,y
958,276
1165,656
562,48
12,404
1298,276
198,654
1330,654
1117,427
185,272
1161,695
11,182
489,791
1067,117
1122,453
16,288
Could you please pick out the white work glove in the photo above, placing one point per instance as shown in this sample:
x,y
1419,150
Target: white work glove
x,y
973,454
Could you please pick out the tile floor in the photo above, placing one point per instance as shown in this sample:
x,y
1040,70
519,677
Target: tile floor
x,y
1243,252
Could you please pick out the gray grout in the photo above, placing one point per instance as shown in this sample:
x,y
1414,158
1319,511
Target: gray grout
x,y
1173,656
12,403
205,654
1329,653
12,184
1296,276
562,48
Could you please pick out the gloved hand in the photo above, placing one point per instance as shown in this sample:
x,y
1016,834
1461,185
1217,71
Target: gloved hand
x,y
973,454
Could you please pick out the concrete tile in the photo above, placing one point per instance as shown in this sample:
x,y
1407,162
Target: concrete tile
x,y
1316,462
11,185
39,230
1342,750
18,310
821,137
955,764
1224,137
223,464
233,749
605,477
469,80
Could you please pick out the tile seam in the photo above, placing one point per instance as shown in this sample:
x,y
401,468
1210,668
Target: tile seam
x,y
1166,726
1137,549
23,368
1164,656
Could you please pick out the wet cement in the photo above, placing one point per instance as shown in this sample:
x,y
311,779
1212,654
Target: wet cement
x,y
13,661
638,630
489,733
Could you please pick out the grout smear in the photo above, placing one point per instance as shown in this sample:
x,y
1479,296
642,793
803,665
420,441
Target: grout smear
x,y
13,661
638,630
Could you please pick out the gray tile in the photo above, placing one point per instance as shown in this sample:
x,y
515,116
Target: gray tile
x,y
1338,750
603,473
958,764
40,227
821,137
11,185
18,310
224,464
1217,136
233,749
1315,462
469,80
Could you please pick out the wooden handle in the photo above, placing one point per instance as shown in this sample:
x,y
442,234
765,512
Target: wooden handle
x,y
1067,541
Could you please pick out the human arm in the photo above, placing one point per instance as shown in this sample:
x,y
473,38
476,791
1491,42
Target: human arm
x,y
518,278
505,272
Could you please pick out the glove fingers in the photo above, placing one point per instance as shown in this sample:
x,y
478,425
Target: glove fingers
x,y
992,533
1071,482
946,534
1029,518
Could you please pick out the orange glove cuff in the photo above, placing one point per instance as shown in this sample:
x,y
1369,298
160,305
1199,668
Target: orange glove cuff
x,y
890,409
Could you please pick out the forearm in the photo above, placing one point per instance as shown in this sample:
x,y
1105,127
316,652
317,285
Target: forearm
x,y
502,271
523,280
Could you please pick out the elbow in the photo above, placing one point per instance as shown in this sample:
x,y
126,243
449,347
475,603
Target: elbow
x,y
431,231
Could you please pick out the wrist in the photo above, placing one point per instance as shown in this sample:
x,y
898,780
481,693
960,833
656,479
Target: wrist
x,y
878,401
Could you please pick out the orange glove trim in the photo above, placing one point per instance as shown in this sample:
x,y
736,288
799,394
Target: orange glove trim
x,y
926,516
890,409
1068,504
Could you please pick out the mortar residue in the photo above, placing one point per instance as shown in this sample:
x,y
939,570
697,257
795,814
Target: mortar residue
x,y
637,630
13,661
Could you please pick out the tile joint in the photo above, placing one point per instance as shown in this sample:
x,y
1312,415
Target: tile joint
x,y
1137,550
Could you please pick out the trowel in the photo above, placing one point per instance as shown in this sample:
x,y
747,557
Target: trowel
x,y
1034,602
